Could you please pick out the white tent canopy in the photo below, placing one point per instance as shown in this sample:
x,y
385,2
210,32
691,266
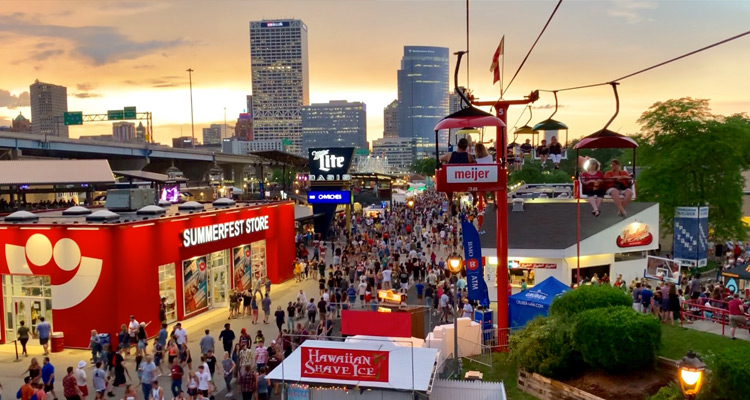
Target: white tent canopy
x,y
409,368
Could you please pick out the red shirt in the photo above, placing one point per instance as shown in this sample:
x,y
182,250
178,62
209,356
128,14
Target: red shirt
x,y
26,392
589,180
734,307
69,386
621,176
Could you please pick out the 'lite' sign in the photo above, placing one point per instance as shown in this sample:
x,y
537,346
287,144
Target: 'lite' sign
x,y
471,173
344,364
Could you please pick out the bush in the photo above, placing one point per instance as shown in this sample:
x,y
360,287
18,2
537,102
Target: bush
x,y
617,338
589,297
669,392
545,346
729,376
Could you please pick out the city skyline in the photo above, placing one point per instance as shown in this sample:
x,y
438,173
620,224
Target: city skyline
x,y
108,63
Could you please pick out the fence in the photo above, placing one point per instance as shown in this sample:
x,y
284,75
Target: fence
x,y
716,311
467,390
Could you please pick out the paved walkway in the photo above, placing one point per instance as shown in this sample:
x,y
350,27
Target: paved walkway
x,y
11,370
716,328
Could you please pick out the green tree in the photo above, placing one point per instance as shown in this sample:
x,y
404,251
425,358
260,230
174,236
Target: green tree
x,y
278,174
694,158
424,166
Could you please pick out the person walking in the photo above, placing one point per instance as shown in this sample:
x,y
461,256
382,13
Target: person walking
x,y
248,382
23,336
176,373
80,376
254,308
71,391
148,375
736,308
311,311
266,305
157,393
207,343
227,338
279,316
48,377
43,331
227,365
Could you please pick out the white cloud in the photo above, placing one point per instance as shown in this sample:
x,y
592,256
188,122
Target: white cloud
x,y
632,11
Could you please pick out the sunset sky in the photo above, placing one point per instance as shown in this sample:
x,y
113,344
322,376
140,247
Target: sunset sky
x,y
112,54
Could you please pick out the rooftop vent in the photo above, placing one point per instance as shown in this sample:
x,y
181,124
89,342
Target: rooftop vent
x,y
518,204
223,202
102,216
151,210
190,206
22,216
164,203
77,210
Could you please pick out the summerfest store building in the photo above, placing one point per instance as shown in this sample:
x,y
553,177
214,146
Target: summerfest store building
x,y
83,275
542,241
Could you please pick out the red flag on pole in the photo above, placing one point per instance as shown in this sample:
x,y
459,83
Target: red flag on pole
x,y
495,67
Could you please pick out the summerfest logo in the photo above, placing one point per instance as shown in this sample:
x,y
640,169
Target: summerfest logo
x,y
353,365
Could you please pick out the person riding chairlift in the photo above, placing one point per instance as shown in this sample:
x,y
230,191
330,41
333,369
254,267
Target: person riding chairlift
x,y
461,156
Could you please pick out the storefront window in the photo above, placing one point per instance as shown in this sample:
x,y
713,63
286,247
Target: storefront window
x,y
249,264
26,298
218,267
168,289
259,259
194,285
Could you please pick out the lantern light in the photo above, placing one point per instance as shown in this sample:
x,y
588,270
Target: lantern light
x,y
454,263
691,370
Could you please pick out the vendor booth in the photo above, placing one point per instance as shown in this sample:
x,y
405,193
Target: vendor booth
x,y
363,369
542,242
84,270
527,305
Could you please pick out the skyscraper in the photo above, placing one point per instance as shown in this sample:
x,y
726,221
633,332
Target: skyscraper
x,y
140,133
280,79
48,103
423,82
123,131
390,120
212,134
244,128
337,123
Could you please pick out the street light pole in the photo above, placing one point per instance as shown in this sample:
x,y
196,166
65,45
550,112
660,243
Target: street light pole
x,y
192,122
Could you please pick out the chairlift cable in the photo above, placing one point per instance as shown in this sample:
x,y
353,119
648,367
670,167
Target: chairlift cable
x,y
651,67
533,45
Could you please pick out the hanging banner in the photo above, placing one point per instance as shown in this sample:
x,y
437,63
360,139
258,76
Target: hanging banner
x,y
242,268
691,235
477,288
344,364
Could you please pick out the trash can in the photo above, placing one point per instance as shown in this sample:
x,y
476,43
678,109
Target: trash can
x,y
58,342
103,339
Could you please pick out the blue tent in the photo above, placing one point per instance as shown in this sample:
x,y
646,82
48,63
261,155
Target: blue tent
x,y
524,306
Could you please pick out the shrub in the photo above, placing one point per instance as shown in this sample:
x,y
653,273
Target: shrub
x,y
545,346
669,392
617,338
729,376
589,297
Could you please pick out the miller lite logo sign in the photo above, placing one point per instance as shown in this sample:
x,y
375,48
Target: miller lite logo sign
x,y
471,173
330,164
327,161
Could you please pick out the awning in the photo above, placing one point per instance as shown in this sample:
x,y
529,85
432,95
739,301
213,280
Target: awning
x,y
55,172
149,176
740,272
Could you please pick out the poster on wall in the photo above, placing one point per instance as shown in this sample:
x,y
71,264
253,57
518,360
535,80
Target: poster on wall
x,y
259,260
242,267
194,284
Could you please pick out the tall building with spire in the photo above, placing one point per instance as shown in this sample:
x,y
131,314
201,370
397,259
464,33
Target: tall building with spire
x,y
280,80
48,103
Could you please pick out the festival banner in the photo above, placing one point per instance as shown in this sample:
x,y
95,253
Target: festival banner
x,y
242,267
477,288
690,245
344,364
194,284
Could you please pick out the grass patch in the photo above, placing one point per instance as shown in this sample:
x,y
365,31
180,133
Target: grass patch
x,y
676,341
503,369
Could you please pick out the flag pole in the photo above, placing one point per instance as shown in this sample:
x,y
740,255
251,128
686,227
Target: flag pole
x,y
502,69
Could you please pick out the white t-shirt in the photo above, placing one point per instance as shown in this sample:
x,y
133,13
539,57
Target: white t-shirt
x,y
133,327
80,375
181,336
386,275
203,379
485,160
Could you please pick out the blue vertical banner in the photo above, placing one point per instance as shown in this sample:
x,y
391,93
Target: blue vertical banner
x,y
690,245
477,288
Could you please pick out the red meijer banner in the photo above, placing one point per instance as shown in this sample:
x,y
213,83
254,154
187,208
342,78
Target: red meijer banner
x,y
372,323
344,364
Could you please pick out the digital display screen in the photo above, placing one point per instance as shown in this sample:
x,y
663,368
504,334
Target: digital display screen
x,y
329,197
171,194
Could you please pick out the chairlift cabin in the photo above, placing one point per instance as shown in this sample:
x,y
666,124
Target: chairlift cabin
x,y
550,128
470,177
605,139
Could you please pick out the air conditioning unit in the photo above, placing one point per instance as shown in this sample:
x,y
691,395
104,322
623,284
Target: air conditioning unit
x,y
129,199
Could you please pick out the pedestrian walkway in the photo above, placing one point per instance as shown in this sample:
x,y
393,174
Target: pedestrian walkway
x,y
213,320
716,328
